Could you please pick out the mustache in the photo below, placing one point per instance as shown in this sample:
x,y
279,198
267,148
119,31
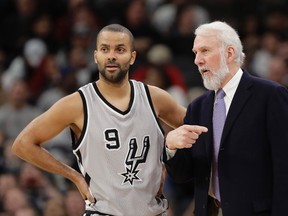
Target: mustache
x,y
111,63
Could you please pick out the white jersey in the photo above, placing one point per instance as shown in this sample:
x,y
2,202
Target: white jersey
x,y
120,153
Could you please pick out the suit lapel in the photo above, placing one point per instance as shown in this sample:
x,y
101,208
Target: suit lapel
x,y
207,121
241,96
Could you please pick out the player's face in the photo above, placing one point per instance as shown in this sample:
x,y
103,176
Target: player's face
x,y
114,56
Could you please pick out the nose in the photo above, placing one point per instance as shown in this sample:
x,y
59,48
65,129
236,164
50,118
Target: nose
x,y
111,56
198,59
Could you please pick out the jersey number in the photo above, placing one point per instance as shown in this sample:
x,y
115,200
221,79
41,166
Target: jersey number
x,y
112,137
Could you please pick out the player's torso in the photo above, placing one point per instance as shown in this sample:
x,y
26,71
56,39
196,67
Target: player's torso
x,y
121,153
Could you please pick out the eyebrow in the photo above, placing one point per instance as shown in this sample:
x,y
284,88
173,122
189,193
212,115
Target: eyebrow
x,y
117,45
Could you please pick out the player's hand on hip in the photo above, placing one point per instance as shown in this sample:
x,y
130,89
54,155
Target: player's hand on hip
x,y
85,190
184,136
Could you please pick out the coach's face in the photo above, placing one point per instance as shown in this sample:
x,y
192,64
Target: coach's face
x,y
114,56
210,57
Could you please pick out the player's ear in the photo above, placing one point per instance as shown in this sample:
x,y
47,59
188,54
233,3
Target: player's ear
x,y
133,57
95,56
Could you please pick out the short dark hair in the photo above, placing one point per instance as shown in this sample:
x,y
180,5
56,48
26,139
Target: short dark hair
x,y
117,28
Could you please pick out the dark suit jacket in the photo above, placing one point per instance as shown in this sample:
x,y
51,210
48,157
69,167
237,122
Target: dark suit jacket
x,y
253,156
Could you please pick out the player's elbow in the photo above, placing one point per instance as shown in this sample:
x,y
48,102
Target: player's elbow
x,y
18,148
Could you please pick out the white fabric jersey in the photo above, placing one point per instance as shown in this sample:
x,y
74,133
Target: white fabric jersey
x,y
120,153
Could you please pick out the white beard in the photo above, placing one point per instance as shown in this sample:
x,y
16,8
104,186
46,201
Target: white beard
x,y
215,81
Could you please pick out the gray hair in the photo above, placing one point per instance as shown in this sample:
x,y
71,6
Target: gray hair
x,y
226,34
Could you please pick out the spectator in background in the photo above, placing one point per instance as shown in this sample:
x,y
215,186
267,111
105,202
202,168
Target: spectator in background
x,y
26,211
269,45
161,72
84,27
77,64
2,60
11,164
277,70
180,40
136,18
16,112
7,181
15,200
73,202
275,20
25,66
55,207
188,16
17,26
249,31
283,51
37,186
45,76
164,15
77,55
63,81
43,29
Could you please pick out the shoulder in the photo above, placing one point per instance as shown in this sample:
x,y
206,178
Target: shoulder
x,y
153,91
70,105
163,101
259,82
207,95
264,88
158,93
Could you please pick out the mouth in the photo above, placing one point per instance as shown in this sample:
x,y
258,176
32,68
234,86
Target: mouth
x,y
204,71
111,67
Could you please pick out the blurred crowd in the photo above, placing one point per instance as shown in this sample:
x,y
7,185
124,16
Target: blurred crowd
x,y
46,52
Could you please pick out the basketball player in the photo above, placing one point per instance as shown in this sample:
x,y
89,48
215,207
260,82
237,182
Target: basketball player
x,y
117,138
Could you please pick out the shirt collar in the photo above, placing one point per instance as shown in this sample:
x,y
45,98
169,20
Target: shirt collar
x,y
231,86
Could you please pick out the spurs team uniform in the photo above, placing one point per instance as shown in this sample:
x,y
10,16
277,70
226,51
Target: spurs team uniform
x,y
120,154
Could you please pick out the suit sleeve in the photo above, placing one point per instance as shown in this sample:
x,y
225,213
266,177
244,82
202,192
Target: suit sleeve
x,y
180,167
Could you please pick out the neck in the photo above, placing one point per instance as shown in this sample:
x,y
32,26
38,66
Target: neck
x,y
113,89
232,71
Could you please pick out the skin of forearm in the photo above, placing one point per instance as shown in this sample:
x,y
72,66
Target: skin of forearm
x,y
40,157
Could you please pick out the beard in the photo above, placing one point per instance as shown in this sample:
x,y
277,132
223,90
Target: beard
x,y
116,77
215,81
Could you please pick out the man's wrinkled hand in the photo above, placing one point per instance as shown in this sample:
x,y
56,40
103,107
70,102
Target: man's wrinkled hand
x,y
184,136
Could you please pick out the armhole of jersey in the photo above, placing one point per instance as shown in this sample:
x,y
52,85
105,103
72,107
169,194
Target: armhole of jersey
x,y
75,142
152,107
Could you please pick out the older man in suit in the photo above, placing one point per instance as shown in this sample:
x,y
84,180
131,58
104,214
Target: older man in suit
x,y
240,167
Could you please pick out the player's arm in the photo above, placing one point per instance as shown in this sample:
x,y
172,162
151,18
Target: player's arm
x,y
166,107
173,114
68,111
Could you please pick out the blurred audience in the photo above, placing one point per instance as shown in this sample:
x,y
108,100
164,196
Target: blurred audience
x,y
278,70
46,52
160,71
25,66
269,46
73,202
15,200
16,112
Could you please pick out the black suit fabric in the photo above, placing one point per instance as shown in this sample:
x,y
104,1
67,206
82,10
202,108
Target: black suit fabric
x,y
253,155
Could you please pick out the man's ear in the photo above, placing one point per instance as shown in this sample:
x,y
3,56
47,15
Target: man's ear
x,y
133,58
95,56
230,54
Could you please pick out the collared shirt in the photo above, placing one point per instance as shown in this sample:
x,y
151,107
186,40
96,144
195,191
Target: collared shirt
x,y
229,89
